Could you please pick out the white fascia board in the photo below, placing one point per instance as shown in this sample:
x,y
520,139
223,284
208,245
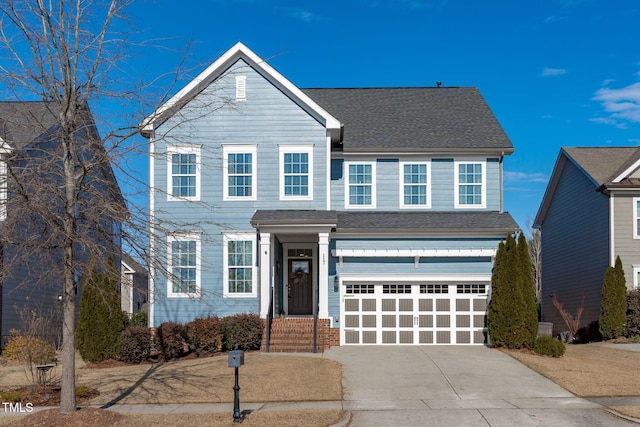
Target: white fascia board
x,y
126,268
355,277
239,50
627,171
405,253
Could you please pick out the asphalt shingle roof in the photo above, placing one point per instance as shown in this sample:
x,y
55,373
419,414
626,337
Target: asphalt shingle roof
x,y
389,221
603,163
413,119
24,122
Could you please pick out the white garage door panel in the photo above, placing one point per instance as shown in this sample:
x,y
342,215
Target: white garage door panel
x,y
414,313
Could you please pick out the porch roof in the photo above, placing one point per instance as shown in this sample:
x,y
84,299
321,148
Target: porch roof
x,y
294,217
390,221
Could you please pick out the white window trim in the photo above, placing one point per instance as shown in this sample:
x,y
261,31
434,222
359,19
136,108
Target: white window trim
x,y
241,88
183,149
184,237
308,149
227,236
373,185
636,212
427,205
636,270
456,177
242,149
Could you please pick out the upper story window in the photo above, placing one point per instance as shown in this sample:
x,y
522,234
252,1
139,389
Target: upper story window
x,y
239,271
239,172
414,185
184,264
636,217
183,172
241,88
470,184
360,191
296,172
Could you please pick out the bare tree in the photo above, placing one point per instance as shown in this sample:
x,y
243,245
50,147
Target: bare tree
x,y
60,52
535,253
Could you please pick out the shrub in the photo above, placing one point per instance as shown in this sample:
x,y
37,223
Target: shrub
x,y
633,313
613,307
171,340
29,350
548,346
11,396
101,319
135,344
139,318
205,335
244,331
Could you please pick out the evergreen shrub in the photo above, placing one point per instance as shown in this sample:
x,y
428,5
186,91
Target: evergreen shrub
x,y
633,313
171,339
613,306
243,330
205,335
139,318
548,346
135,344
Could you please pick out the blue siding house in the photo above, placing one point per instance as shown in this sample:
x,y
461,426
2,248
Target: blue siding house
x,y
369,215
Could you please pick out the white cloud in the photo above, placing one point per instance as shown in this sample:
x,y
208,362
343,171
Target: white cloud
x,y
549,72
302,14
514,177
622,104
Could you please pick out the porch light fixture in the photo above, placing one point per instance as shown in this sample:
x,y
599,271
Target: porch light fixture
x,y
336,283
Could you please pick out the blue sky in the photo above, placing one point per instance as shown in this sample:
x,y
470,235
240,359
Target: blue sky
x,y
555,72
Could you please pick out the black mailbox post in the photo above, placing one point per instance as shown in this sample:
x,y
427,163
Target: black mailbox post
x,y
236,359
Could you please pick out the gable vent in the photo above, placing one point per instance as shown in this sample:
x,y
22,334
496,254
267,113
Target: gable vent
x,y
241,88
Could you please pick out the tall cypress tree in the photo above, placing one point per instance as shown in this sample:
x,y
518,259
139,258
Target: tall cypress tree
x,y
497,318
527,289
613,306
101,318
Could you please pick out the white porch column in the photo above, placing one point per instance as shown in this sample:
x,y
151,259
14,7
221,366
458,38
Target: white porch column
x,y
323,275
265,273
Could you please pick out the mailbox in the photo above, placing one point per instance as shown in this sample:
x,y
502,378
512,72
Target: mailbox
x,y
236,358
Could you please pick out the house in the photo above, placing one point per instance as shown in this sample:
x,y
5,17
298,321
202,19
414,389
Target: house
x,y
31,202
589,215
133,285
373,213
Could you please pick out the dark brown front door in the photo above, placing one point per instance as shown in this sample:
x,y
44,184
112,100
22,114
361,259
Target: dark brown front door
x,y
300,285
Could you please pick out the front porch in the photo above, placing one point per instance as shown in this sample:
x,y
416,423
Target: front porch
x,y
294,279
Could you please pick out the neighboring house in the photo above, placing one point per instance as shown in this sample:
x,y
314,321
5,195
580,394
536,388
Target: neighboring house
x,y
30,236
134,282
590,214
377,210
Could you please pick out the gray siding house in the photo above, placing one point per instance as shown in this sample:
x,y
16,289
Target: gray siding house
x,y
589,215
31,261
374,211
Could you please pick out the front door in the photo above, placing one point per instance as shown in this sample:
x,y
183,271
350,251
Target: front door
x,y
300,287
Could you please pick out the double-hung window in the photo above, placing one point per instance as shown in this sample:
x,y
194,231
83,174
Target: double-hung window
x,y
183,255
296,172
239,170
470,184
239,271
414,185
360,190
183,172
636,217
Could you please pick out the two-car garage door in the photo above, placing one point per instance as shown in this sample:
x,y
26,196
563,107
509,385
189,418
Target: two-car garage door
x,y
414,313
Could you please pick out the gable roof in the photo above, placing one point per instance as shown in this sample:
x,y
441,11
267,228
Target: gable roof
x,y
605,167
444,119
239,51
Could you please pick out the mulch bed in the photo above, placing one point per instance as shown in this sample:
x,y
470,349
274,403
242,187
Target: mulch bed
x,y
39,396
81,418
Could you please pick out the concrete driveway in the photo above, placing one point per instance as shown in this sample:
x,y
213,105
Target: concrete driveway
x,y
455,386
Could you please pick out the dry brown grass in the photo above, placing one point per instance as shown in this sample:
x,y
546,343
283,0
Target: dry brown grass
x,y
590,370
105,418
